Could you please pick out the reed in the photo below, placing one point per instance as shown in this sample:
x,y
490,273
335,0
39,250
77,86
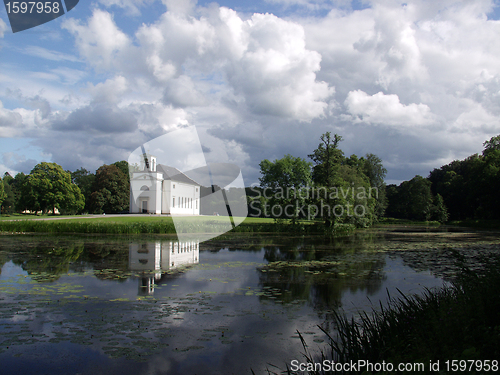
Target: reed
x,y
461,322
164,225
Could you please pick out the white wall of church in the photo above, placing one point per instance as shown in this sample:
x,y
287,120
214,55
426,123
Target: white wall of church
x,y
145,193
184,199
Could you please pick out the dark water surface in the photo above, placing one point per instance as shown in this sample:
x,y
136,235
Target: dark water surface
x,y
133,305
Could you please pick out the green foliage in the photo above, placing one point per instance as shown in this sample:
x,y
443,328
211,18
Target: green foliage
x,y
470,187
111,190
48,187
3,195
351,190
84,180
9,203
326,158
285,178
413,200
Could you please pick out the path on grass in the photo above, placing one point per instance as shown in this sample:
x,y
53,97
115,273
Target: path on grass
x,y
98,216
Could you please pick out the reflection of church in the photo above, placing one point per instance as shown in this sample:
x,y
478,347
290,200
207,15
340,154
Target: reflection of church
x,y
152,259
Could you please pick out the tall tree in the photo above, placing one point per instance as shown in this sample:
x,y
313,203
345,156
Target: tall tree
x,y
285,178
375,171
48,186
111,191
491,145
84,180
326,158
9,203
3,195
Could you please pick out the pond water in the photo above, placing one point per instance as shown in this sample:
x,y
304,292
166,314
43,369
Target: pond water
x,y
134,305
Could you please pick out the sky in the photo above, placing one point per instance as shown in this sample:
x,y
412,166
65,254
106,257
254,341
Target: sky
x,y
417,83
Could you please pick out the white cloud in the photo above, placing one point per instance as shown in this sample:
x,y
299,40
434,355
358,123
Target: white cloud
x,y
100,42
45,53
131,6
3,28
260,86
10,122
386,110
111,91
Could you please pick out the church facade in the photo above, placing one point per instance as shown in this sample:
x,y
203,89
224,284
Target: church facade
x,y
161,189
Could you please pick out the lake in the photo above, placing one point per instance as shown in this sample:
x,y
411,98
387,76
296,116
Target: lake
x,y
153,305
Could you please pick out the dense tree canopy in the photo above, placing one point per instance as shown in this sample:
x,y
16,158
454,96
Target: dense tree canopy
x,y
48,187
336,189
469,187
111,190
3,195
85,181
285,178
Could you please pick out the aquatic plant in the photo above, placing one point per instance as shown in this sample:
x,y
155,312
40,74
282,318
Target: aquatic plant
x,y
461,322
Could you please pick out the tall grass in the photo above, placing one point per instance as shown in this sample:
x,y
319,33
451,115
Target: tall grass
x,y
146,225
461,322
88,226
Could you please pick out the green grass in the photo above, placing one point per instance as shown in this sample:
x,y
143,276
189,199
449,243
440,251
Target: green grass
x,y
480,224
394,221
161,225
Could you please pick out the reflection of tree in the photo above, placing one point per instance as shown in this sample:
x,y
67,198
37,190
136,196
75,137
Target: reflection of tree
x,y
48,260
320,271
3,260
109,260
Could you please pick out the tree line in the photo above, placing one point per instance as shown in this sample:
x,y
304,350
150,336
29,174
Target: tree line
x,y
49,188
460,190
330,187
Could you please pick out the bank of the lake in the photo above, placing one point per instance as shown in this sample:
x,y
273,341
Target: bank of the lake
x,y
152,224
450,330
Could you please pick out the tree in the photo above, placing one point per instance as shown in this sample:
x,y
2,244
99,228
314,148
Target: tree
x,y
48,186
84,180
9,203
286,178
375,171
326,158
111,190
124,167
439,211
491,145
412,199
3,195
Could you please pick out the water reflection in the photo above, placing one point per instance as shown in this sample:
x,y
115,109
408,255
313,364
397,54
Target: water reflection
x,y
153,259
238,307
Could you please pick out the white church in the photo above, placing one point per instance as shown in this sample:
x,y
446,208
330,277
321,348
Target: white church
x,y
160,189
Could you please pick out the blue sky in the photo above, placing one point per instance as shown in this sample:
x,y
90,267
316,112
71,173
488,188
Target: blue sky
x,y
416,83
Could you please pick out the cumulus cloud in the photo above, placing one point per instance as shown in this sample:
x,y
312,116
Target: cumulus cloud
x,y
260,86
385,110
100,42
276,73
10,122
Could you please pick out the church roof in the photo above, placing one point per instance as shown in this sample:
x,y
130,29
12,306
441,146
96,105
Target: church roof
x,y
171,173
